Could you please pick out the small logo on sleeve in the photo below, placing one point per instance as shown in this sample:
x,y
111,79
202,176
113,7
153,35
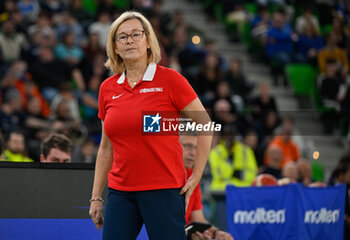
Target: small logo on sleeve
x,y
151,123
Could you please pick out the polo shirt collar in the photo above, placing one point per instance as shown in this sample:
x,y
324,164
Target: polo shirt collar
x,y
148,76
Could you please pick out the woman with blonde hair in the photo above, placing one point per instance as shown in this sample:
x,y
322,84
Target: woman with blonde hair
x,y
146,176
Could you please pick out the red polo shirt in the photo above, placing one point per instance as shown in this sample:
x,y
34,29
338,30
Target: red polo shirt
x,y
144,162
195,202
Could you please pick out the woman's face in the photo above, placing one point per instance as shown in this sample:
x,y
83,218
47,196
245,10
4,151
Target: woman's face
x,y
131,49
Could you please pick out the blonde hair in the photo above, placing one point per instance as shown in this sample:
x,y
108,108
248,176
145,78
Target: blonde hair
x,y
115,63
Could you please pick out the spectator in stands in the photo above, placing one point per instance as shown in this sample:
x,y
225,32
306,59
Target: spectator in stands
x,y
37,127
290,171
69,52
338,29
86,153
260,22
11,114
42,26
101,28
16,148
307,19
265,130
223,112
329,82
89,105
49,73
332,51
251,140
237,80
56,148
65,22
194,211
274,154
263,103
290,151
53,7
92,48
12,43
29,9
304,171
209,77
66,94
80,14
308,45
231,162
107,6
279,40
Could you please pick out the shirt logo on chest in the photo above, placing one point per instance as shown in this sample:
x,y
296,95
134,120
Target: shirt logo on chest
x,y
148,90
114,97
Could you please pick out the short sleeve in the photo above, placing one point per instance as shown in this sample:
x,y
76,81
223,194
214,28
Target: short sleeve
x,y
180,91
101,105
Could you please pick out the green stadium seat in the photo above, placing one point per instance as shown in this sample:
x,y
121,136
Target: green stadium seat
x,y
317,171
302,78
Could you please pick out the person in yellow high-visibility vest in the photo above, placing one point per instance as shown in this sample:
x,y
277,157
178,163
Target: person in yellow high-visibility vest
x,y
231,162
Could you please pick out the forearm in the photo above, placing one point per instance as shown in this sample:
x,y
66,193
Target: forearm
x,y
203,149
104,163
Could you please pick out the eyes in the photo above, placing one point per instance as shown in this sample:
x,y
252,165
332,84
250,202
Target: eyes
x,y
135,35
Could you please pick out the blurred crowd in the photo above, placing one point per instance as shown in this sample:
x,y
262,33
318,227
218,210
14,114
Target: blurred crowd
x,y
52,56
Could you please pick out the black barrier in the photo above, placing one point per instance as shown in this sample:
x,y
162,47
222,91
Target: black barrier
x,y
45,190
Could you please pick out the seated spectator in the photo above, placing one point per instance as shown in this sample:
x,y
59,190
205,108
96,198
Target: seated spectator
x,y
279,40
251,140
42,26
29,9
304,172
307,19
237,80
89,105
332,51
49,73
56,148
231,162
223,112
290,171
209,77
67,51
101,28
290,151
329,82
12,44
274,154
194,211
37,127
92,48
78,12
11,114
85,153
16,148
65,22
265,128
263,103
66,94
308,45
338,29
260,22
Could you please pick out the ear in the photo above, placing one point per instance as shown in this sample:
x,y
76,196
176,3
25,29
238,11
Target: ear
x,y
42,158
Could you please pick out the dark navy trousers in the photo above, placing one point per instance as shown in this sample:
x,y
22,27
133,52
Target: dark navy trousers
x,y
162,211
